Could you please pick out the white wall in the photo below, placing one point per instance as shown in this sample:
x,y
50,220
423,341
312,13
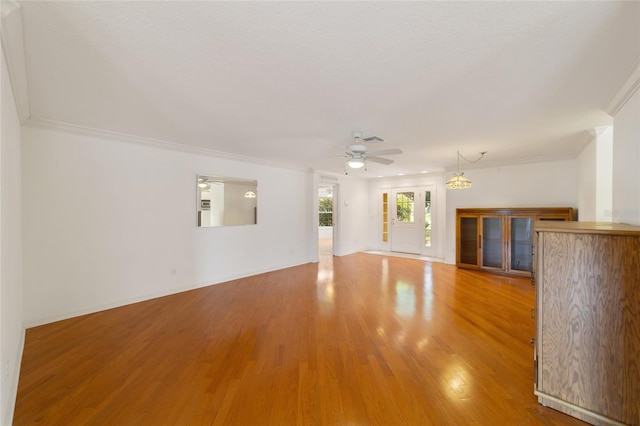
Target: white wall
x,y
545,184
626,162
604,175
595,170
587,182
12,329
120,223
351,209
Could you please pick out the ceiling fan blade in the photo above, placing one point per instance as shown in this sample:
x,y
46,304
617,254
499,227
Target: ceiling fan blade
x,y
380,160
373,139
387,152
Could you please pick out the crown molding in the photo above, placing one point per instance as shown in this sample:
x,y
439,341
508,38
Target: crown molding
x,y
36,122
513,162
13,53
628,88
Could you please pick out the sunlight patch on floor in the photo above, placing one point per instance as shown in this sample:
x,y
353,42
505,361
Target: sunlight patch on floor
x,y
405,255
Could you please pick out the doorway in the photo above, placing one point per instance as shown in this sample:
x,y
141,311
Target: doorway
x,y
326,219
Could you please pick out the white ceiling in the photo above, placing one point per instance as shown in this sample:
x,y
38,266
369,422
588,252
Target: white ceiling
x,y
287,82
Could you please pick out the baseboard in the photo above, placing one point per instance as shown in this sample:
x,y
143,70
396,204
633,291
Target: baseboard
x,y
575,411
15,379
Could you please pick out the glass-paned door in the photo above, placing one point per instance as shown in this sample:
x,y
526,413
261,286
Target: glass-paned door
x,y
492,252
521,244
406,231
407,220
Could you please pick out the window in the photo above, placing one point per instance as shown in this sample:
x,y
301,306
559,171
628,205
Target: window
x,y
427,218
385,217
405,207
325,211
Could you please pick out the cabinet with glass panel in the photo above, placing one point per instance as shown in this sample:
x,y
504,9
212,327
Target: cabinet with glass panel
x,y
501,239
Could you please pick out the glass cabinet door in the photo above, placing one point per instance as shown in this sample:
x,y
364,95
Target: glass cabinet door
x,y
468,240
492,242
521,244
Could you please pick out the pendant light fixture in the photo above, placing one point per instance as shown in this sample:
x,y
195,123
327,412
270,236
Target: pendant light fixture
x,y
458,181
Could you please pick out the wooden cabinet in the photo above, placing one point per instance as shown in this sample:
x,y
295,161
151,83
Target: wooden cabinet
x,y
500,240
587,347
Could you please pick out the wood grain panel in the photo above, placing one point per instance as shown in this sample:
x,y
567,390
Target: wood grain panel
x,y
630,256
355,340
589,320
577,334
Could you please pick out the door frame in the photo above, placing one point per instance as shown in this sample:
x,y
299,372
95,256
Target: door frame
x,y
433,249
335,221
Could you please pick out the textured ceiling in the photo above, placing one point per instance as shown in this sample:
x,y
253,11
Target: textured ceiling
x,y
289,81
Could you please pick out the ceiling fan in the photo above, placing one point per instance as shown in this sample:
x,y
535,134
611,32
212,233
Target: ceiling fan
x,y
358,152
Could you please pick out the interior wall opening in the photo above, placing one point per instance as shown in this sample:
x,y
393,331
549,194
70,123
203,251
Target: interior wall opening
x,y
326,219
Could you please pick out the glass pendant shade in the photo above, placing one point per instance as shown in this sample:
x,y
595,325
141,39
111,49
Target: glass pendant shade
x,y
458,181
356,163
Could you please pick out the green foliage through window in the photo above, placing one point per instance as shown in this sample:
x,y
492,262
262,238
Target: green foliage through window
x,y
427,219
325,211
405,206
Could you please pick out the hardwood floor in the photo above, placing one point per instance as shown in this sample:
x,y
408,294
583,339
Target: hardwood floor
x,y
354,340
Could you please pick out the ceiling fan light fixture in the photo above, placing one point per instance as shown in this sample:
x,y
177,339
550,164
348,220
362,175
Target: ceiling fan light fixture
x,y
356,163
359,154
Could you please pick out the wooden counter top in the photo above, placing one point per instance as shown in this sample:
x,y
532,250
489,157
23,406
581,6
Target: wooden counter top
x,y
587,227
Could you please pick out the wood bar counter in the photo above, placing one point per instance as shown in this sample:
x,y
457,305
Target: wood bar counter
x,y
587,346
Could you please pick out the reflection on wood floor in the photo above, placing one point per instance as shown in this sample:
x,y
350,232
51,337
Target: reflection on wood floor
x,y
354,340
